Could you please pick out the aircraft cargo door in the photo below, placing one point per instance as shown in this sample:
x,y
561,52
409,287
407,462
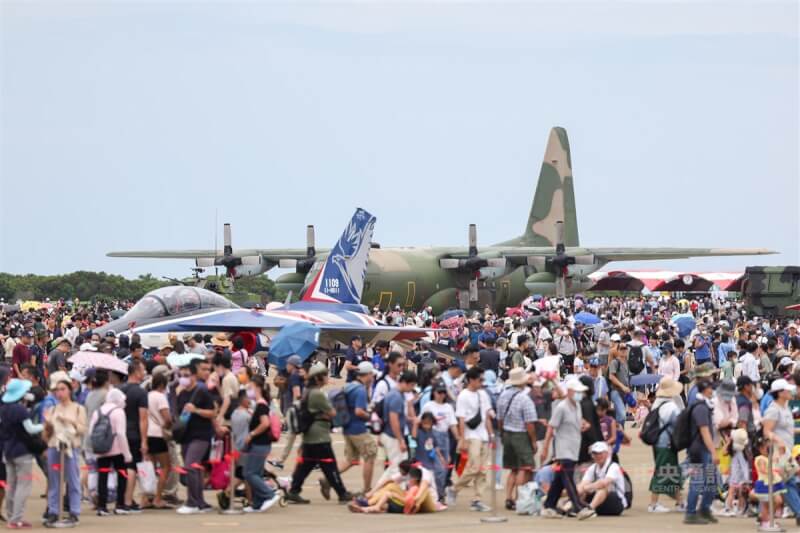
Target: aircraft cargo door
x,y
411,294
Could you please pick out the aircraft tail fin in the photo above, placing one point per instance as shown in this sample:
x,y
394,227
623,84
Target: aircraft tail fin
x,y
554,199
341,279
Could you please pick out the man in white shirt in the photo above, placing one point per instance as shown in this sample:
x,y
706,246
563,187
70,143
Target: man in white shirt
x,y
749,367
474,413
603,484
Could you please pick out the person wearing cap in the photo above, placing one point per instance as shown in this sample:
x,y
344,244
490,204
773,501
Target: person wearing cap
x,y
359,444
600,384
516,417
64,430
21,355
57,358
666,472
703,458
565,427
16,432
704,372
380,353
747,403
316,450
474,413
777,421
353,355
603,484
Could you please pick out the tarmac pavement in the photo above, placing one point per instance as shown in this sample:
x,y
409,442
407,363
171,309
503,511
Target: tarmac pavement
x,y
323,515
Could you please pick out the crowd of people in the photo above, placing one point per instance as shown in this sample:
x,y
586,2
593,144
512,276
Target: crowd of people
x,y
552,392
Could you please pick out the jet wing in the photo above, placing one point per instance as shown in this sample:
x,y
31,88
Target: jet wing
x,y
232,320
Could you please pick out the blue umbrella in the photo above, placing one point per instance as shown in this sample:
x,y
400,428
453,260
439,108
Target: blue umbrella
x,y
644,379
300,338
587,318
450,313
685,324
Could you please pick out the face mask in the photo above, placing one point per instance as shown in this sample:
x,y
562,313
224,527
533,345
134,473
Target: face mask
x,y
759,393
251,394
184,381
578,396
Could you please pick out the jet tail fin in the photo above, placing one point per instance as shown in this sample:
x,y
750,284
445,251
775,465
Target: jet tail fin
x,y
554,199
341,279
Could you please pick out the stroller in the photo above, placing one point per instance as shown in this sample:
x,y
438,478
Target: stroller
x,y
278,484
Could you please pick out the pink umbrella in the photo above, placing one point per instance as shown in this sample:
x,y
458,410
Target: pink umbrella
x,y
99,360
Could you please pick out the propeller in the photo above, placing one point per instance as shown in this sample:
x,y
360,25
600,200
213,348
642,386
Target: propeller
x,y
558,265
473,263
302,266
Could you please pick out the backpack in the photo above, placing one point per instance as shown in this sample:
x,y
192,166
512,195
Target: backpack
x,y
338,399
682,435
376,418
102,436
651,427
636,360
303,417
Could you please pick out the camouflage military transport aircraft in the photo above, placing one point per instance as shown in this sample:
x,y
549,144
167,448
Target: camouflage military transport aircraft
x,y
546,259
772,291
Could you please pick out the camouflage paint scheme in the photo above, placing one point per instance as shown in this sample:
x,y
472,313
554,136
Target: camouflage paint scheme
x,y
767,291
414,277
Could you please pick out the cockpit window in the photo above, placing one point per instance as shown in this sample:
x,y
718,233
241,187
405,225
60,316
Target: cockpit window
x,y
147,307
168,301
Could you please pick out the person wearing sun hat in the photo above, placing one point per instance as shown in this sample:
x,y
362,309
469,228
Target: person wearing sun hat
x,y
666,472
517,422
16,428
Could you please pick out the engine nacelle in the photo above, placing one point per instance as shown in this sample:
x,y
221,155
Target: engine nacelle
x,y
291,281
243,270
544,283
204,262
251,260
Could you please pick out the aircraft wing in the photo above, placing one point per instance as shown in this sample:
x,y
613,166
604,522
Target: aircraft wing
x,y
637,254
232,320
519,255
272,254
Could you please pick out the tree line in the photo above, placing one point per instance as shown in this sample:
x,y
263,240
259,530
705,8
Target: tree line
x,y
88,286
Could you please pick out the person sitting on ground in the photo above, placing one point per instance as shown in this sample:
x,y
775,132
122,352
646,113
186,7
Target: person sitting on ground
x,y
603,485
420,496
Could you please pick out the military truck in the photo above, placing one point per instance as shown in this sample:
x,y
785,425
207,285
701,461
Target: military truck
x,y
767,291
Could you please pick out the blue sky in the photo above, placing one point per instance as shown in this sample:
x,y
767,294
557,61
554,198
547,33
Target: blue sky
x,y
128,125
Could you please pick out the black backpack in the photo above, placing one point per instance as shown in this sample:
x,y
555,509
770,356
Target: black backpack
x,y
652,428
304,417
682,435
636,360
